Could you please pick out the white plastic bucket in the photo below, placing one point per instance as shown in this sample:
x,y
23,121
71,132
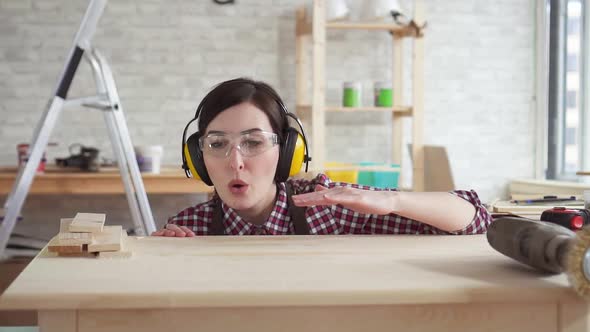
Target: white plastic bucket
x,y
149,158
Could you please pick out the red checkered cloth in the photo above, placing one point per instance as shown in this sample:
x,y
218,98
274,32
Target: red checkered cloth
x,y
332,219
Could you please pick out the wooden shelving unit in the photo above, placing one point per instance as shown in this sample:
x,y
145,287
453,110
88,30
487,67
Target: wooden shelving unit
x,y
313,109
54,181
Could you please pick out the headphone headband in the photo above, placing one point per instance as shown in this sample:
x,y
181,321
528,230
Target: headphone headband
x,y
192,158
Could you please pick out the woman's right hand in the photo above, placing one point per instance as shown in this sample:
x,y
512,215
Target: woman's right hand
x,y
172,230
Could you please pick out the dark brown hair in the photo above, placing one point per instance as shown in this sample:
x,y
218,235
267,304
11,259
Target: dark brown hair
x,y
240,90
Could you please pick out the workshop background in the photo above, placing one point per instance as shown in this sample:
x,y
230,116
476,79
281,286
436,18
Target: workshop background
x,y
165,55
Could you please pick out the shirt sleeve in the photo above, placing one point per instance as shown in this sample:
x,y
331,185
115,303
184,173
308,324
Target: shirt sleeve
x,y
478,225
352,222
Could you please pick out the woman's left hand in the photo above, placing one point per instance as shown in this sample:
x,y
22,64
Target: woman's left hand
x,y
359,200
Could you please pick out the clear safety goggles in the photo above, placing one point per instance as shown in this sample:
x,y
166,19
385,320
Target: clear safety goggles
x,y
249,144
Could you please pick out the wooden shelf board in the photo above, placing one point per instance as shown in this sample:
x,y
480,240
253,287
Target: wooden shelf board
x,y
107,181
403,110
397,109
395,28
304,28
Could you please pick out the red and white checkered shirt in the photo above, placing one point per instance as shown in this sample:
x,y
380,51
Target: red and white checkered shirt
x,y
331,219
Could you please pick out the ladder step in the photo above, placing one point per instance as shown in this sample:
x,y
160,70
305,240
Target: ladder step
x,y
100,104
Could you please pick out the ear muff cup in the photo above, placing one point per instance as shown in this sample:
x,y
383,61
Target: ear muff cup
x,y
291,156
194,159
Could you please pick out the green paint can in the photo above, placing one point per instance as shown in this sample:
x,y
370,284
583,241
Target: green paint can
x,y
383,94
351,94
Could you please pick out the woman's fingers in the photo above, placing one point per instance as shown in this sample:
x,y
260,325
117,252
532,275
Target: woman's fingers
x,y
172,230
158,232
187,231
177,230
169,233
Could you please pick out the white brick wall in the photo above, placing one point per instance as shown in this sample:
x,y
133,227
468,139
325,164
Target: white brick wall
x,y
166,54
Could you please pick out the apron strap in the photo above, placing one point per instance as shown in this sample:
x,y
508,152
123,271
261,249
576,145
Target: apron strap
x,y
217,227
297,214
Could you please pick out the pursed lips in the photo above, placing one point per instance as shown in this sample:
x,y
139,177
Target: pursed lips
x,y
237,186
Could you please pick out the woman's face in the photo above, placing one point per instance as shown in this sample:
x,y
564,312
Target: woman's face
x,y
243,182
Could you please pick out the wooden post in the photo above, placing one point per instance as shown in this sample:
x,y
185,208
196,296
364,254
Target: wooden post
x,y
300,65
398,99
319,85
418,103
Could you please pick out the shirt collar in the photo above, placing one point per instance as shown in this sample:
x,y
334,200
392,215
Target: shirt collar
x,y
278,223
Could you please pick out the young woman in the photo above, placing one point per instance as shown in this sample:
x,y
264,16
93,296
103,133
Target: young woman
x,y
245,148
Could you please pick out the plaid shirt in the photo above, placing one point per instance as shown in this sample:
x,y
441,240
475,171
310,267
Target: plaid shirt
x,y
332,219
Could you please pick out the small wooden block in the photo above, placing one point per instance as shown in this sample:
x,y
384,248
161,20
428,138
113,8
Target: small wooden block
x,y
67,238
123,253
55,246
109,240
64,224
77,254
88,222
75,238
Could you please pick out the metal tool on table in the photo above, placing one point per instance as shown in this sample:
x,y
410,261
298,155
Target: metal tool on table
x,y
545,246
85,159
106,100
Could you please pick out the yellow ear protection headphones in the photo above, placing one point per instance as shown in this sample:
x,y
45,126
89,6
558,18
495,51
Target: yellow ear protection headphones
x,y
293,149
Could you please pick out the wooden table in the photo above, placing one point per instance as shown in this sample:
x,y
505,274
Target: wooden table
x,y
290,283
107,181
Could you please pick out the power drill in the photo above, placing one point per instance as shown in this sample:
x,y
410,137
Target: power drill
x,y
573,219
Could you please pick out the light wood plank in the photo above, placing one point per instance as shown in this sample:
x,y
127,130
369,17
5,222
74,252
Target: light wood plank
x,y
394,28
531,317
319,86
57,321
74,238
109,240
507,206
124,252
55,245
547,187
65,237
64,224
438,175
88,222
418,103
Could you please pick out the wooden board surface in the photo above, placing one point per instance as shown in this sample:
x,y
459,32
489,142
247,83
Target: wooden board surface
x,y
284,271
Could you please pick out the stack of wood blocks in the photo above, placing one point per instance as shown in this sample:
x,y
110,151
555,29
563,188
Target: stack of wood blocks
x,y
85,235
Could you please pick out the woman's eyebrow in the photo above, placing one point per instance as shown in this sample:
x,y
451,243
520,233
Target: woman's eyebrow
x,y
250,130
247,131
215,132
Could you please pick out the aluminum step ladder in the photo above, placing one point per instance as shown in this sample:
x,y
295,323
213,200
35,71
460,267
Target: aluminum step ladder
x,y
106,100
